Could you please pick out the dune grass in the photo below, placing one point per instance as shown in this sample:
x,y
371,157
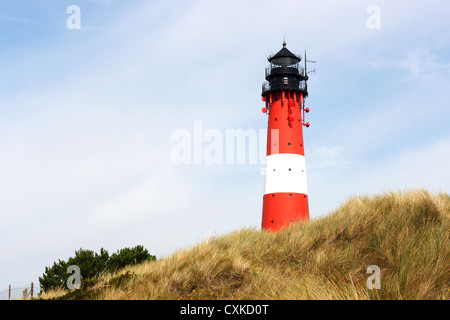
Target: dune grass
x,y
406,234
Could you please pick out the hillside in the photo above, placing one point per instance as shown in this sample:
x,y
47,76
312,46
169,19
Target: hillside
x,y
405,234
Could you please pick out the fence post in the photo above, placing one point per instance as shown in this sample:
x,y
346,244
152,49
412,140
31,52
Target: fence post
x,y
25,294
31,291
9,293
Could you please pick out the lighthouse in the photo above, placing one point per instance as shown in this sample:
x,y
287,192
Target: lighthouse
x,y
285,190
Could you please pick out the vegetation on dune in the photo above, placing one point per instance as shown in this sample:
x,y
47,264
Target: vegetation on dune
x,y
91,265
405,234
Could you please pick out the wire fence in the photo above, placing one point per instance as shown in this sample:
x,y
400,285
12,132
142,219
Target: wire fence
x,y
20,293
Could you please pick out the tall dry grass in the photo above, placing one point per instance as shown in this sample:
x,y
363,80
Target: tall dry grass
x,y
406,234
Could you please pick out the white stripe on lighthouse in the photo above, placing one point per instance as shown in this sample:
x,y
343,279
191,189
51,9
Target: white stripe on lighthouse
x,y
285,173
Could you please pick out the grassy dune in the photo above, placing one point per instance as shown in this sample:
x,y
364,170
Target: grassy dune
x,y
405,234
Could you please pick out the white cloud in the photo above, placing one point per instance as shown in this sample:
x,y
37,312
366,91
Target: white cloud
x,y
324,157
422,166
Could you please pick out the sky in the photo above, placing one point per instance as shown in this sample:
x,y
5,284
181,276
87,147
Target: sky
x,y
92,102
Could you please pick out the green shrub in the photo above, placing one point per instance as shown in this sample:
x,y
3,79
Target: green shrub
x,y
91,264
54,277
127,257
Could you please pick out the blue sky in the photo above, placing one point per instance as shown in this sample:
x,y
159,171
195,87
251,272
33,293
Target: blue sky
x,y
86,116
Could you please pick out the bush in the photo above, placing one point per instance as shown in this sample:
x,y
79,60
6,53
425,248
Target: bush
x,y
127,257
54,277
91,264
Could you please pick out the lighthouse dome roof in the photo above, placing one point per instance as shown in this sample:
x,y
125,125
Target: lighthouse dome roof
x,y
284,57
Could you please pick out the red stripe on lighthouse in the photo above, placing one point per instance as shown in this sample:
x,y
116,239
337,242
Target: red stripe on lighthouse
x,y
282,209
290,139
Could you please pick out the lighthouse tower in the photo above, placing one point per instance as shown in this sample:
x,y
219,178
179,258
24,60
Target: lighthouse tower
x,y
285,190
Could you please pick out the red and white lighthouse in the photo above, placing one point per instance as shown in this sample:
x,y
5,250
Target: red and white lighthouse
x,y
285,189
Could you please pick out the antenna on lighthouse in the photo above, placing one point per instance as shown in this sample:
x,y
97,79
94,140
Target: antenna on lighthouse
x,y
310,61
